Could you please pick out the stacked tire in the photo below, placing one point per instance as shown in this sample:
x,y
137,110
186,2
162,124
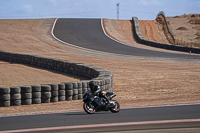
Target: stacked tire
x,y
45,93
61,92
26,95
75,91
80,90
4,96
36,94
15,96
69,90
84,87
108,84
54,92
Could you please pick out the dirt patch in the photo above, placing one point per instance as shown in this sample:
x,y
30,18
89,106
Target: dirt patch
x,y
137,82
181,28
197,38
153,31
198,34
194,19
185,37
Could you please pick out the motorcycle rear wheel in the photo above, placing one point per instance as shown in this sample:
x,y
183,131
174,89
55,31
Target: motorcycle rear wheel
x,y
115,109
90,109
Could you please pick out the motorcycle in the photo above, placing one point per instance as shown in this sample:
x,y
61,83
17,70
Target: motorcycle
x,y
94,104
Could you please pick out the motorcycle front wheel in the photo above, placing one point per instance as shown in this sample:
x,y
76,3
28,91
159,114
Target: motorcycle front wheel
x,y
90,109
116,108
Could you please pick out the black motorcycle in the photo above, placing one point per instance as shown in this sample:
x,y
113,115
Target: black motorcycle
x,y
94,104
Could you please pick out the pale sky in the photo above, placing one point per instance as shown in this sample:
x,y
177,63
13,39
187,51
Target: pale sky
x,y
143,9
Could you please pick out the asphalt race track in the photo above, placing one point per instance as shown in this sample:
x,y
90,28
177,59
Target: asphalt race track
x,y
182,117
88,33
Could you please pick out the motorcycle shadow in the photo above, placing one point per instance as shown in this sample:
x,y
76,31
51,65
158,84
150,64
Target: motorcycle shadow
x,y
84,113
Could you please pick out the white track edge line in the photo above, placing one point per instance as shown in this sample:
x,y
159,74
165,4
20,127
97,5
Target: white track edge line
x,y
82,48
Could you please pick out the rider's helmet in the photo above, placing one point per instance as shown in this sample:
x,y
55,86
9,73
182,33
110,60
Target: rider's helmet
x,y
91,84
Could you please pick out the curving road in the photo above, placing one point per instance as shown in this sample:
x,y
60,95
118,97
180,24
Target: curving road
x,y
88,33
181,117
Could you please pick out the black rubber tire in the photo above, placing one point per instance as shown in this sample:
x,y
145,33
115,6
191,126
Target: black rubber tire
x,y
45,100
61,92
4,90
80,96
85,107
80,91
4,103
84,84
75,97
36,100
61,98
84,90
54,87
15,89
26,101
79,84
15,102
4,97
26,95
36,88
75,91
69,86
68,98
69,93
97,82
75,85
116,109
107,81
61,86
54,93
16,96
26,89
45,95
45,88
54,99
36,95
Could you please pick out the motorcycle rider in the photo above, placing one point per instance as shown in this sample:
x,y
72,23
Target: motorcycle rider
x,y
96,91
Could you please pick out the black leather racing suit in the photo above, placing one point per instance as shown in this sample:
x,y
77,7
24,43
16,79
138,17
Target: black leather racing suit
x,y
96,91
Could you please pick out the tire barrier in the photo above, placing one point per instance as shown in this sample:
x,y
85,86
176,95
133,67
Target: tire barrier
x,y
5,96
69,90
36,94
142,40
61,92
46,93
15,96
168,33
26,95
